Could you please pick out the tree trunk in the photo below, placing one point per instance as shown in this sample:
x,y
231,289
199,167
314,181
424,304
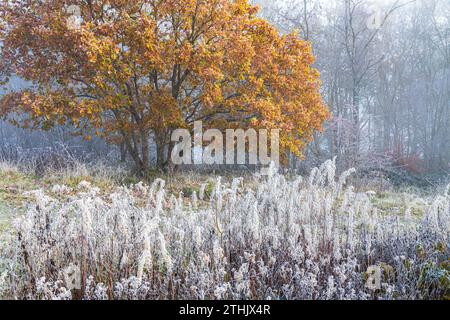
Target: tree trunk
x,y
160,150
164,149
170,165
356,124
145,150
123,152
133,147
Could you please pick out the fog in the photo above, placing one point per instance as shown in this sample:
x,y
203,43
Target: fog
x,y
385,71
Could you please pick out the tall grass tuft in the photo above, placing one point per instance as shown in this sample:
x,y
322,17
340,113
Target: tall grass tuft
x,y
297,238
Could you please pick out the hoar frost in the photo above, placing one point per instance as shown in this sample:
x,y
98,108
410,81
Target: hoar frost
x,y
286,239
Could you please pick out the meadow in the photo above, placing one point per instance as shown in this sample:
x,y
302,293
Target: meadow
x,y
97,233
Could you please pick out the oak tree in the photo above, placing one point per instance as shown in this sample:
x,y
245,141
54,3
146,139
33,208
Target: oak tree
x,y
129,70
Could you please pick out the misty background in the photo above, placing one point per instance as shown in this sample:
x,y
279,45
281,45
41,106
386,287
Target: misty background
x,y
385,71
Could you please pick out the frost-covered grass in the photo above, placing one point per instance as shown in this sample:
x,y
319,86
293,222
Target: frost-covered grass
x,y
276,238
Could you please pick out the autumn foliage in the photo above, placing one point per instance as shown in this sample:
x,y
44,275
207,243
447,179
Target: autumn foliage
x,y
129,70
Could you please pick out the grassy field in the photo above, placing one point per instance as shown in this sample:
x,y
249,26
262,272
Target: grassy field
x,y
16,184
199,236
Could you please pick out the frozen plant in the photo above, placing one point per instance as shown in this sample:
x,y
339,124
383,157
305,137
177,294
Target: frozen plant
x,y
295,238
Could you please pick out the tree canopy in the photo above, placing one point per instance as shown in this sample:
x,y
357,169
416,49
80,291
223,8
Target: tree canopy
x,y
125,70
